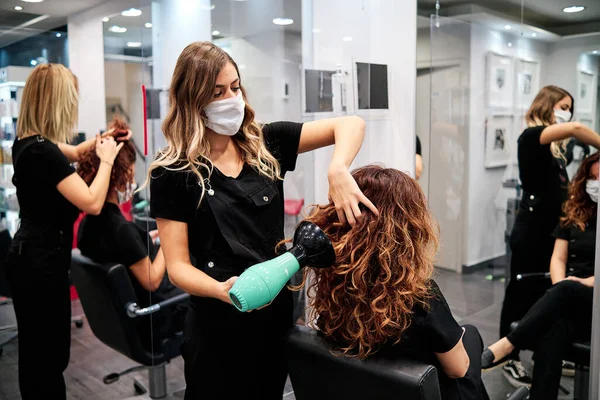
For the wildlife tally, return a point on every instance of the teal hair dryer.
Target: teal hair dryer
(261, 283)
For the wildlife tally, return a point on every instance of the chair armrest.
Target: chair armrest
(133, 310)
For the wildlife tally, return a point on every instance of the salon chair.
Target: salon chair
(110, 306)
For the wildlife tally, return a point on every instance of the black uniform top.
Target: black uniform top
(582, 247)
(433, 330)
(40, 166)
(543, 177)
(240, 221)
(110, 238)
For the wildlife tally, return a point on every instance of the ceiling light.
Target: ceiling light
(509, 44)
(18, 8)
(573, 9)
(283, 21)
(595, 52)
(117, 29)
(32, 1)
(209, 8)
(507, 27)
(33, 63)
(134, 44)
(316, 30)
(148, 25)
(132, 12)
(58, 34)
(105, 19)
(216, 33)
(347, 38)
(534, 34)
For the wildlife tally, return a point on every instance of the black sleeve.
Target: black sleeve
(131, 247)
(418, 146)
(282, 140)
(171, 195)
(561, 232)
(52, 164)
(530, 139)
(442, 329)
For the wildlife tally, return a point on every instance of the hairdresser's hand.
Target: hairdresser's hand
(118, 135)
(223, 289)
(346, 195)
(589, 282)
(107, 149)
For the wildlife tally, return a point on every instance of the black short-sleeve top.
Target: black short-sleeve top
(39, 166)
(543, 176)
(433, 330)
(582, 247)
(240, 220)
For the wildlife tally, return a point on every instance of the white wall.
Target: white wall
(86, 60)
(486, 216)
(376, 28)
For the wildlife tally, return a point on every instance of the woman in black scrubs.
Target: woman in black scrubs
(217, 195)
(50, 194)
(544, 180)
(564, 313)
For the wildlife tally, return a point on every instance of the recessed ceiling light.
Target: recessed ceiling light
(316, 30)
(507, 27)
(148, 25)
(283, 21)
(134, 44)
(573, 9)
(18, 8)
(534, 34)
(509, 44)
(117, 29)
(33, 62)
(216, 33)
(132, 12)
(347, 38)
(58, 34)
(595, 52)
(32, 1)
(105, 19)
(209, 8)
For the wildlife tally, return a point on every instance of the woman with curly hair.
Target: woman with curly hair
(110, 238)
(564, 313)
(379, 299)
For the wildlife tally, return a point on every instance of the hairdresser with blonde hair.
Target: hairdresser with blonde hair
(217, 195)
(544, 180)
(50, 196)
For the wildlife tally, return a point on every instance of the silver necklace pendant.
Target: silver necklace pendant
(211, 192)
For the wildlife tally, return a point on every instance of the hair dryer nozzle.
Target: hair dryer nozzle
(312, 247)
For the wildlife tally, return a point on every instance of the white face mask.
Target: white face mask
(127, 195)
(592, 187)
(562, 116)
(225, 116)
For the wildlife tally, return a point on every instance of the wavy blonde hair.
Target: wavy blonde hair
(49, 106)
(383, 264)
(192, 88)
(541, 113)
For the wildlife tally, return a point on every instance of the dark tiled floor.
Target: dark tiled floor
(472, 298)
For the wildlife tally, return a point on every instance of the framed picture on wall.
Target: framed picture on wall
(500, 81)
(498, 137)
(527, 74)
(585, 93)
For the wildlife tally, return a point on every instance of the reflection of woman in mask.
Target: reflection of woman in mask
(564, 313)
(544, 181)
(110, 238)
(217, 195)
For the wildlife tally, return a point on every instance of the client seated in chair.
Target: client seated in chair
(564, 313)
(379, 299)
(110, 238)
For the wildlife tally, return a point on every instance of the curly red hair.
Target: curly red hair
(122, 172)
(580, 208)
(383, 264)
